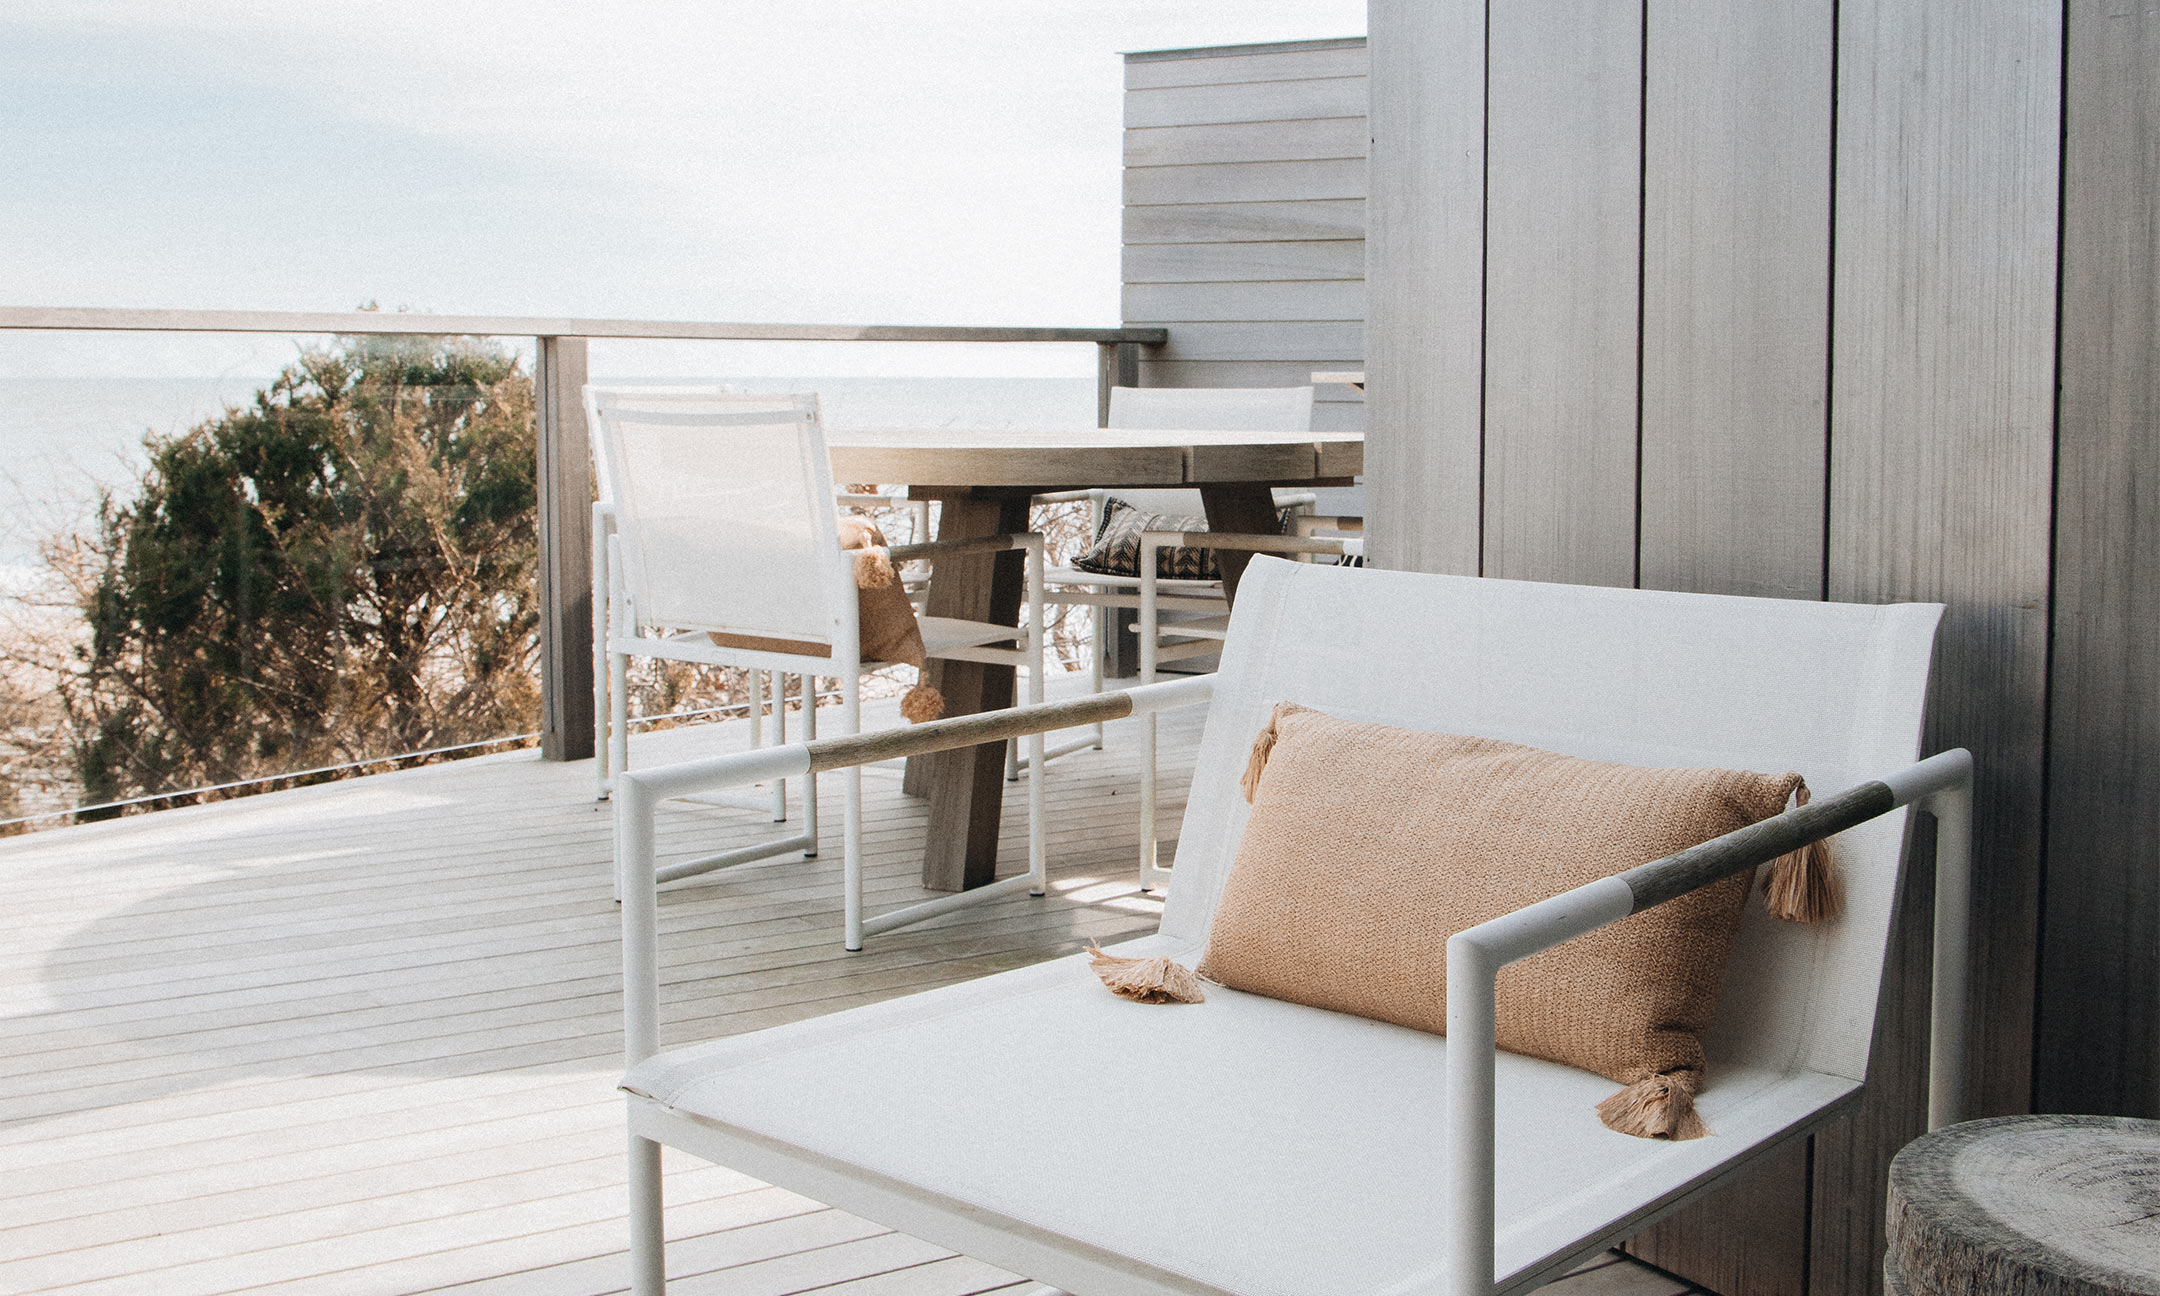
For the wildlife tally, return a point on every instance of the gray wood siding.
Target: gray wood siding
(1427, 231)
(1736, 288)
(1840, 382)
(1244, 224)
(1564, 110)
(1942, 373)
(2100, 955)
(1736, 296)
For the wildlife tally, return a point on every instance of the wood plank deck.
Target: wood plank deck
(363, 1038)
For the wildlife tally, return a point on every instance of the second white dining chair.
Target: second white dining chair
(725, 552)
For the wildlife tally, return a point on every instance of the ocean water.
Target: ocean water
(63, 440)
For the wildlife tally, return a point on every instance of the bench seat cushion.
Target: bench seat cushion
(1243, 1145)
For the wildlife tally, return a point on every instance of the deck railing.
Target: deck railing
(565, 475)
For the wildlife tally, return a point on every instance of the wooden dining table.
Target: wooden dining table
(983, 479)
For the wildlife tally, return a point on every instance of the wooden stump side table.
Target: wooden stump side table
(2027, 1206)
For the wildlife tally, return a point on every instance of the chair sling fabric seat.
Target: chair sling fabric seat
(1305, 1163)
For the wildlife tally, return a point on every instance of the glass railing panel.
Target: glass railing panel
(874, 384)
(239, 561)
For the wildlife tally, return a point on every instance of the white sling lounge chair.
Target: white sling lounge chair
(1293, 1150)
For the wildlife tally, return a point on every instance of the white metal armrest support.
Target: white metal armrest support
(1941, 784)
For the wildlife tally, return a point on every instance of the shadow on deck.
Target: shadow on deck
(363, 1037)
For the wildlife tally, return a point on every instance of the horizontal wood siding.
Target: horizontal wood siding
(1245, 182)
(1245, 216)
(1246, 222)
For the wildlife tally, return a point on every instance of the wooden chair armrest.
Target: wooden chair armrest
(956, 548)
(1285, 544)
(1304, 524)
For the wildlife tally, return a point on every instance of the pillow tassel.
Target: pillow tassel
(1803, 886)
(873, 568)
(1662, 1106)
(1263, 744)
(1147, 980)
(922, 703)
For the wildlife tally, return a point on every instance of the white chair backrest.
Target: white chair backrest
(725, 513)
(603, 471)
(1204, 409)
(1832, 690)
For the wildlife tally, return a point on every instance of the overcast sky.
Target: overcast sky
(940, 161)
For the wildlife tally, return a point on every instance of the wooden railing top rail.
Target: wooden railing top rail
(249, 321)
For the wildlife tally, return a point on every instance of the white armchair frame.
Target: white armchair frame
(1941, 784)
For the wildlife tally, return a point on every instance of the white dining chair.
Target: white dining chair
(723, 524)
(1198, 409)
(914, 579)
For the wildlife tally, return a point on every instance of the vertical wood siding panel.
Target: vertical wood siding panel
(2099, 983)
(1941, 455)
(1423, 283)
(1563, 177)
(1736, 286)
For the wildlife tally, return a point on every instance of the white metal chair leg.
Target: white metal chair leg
(779, 786)
(648, 1228)
(1952, 807)
(1038, 851)
(851, 823)
(809, 783)
(1101, 650)
(1012, 760)
(602, 774)
(618, 729)
(1149, 614)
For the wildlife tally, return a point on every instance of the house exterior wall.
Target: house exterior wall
(1245, 216)
(1858, 301)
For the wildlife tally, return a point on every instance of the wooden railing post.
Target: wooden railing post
(565, 560)
(1117, 364)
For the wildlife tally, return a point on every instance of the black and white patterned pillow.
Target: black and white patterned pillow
(1116, 550)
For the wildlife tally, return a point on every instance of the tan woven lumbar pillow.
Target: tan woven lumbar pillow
(1370, 845)
(888, 630)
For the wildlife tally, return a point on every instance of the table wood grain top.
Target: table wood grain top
(1064, 458)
